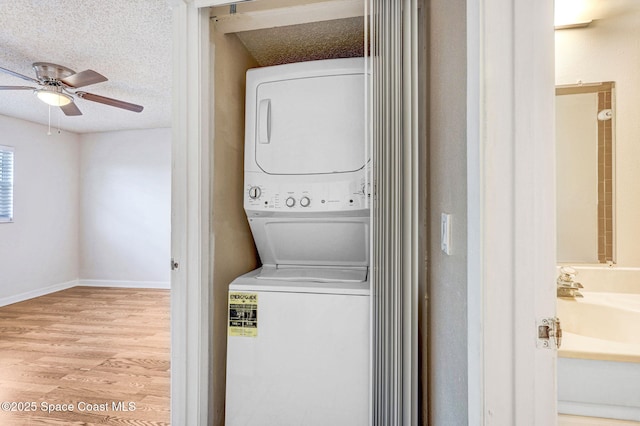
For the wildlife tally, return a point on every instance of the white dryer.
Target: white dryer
(298, 338)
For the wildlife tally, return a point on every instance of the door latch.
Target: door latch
(549, 333)
(174, 264)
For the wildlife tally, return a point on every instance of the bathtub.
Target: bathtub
(599, 360)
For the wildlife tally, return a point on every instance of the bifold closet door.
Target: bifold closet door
(395, 260)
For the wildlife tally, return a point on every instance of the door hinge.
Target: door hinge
(174, 264)
(549, 333)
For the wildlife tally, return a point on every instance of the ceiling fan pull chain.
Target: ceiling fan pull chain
(49, 130)
(58, 114)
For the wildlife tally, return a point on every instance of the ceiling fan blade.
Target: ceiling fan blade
(17, 88)
(83, 78)
(15, 74)
(71, 109)
(111, 102)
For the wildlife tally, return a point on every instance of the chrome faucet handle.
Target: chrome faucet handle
(567, 287)
(567, 274)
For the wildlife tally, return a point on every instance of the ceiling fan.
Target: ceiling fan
(56, 86)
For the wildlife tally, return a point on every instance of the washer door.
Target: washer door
(310, 125)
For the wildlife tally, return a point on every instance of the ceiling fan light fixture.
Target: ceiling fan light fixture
(55, 80)
(53, 97)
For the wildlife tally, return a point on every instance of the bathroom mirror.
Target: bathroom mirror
(585, 165)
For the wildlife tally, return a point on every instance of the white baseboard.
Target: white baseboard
(125, 284)
(36, 293)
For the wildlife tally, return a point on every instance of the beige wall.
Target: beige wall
(233, 251)
(447, 274)
(608, 51)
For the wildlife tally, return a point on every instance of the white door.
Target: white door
(511, 190)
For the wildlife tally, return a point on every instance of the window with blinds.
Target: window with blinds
(6, 184)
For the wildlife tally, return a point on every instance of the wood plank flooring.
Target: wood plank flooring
(104, 352)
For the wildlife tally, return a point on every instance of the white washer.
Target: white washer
(298, 345)
(309, 363)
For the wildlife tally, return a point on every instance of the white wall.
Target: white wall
(39, 250)
(125, 207)
(447, 274)
(608, 51)
(95, 207)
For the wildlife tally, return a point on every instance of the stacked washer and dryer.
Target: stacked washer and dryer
(298, 348)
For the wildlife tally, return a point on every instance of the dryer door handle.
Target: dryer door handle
(264, 121)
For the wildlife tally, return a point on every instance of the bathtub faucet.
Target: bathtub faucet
(567, 287)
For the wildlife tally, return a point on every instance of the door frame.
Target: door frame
(191, 307)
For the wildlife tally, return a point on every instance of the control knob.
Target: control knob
(290, 202)
(255, 192)
(305, 201)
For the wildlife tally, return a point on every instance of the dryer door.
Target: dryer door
(310, 125)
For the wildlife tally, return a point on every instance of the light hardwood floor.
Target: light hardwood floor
(83, 346)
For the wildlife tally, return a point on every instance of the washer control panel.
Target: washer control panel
(334, 196)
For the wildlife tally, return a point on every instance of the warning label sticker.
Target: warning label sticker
(243, 314)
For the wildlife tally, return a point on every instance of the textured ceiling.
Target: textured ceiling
(340, 38)
(128, 41)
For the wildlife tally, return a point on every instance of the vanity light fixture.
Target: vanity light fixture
(574, 25)
(572, 14)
